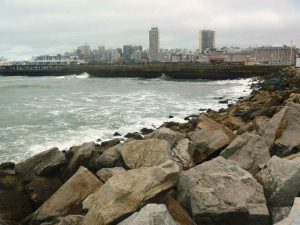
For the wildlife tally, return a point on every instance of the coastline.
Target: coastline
(251, 134)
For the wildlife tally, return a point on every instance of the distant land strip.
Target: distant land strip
(212, 72)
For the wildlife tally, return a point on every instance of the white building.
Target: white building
(154, 43)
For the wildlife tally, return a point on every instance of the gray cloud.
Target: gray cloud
(34, 27)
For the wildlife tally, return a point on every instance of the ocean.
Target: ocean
(38, 113)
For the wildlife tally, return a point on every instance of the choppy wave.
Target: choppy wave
(74, 76)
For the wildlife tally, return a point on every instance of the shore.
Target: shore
(239, 165)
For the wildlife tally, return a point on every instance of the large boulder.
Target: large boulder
(282, 133)
(14, 205)
(145, 153)
(249, 150)
(106, 173)
(80, 157)
(281, 181)
(279, 213)
(68, 198)
(183, 154)
(151, 214)
(40, 189)
(220, 192)
(124, 193)
(167, 134)
(42, 164)
(294, 216)
(210, 136)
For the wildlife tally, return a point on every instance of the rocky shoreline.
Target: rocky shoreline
(239, 165)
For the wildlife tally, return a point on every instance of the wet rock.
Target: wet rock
(170, 116)
(40, 189)
(126, 192)
(180, 215)
(294, 216)
(151, 214)
(191, 117)
(117, 134)
(7, 166)
(167, 134)
(134, 135)
(145, 153)
(249, 151)
(282, 133)
(42, 164)
(224, 101)
(220, 192)
(182, 154)
(202, 109)
(68, 198)
(110, 143)
(281, 181)
(14, 205)
(106, 173)
(145, 131)
(210, 136)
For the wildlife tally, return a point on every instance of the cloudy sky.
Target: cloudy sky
(33, 27)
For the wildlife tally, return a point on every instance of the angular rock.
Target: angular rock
(145, 153)
(151, 214)
(182, 154)
(294, 216)
(279, 213)
(81, 157)
(126, 192)
(220, 192)
(68, 220)
(180, 215)
(68, 198)
(281, 181)
(40, 189)
(210, 136)
(14, 205)
(167, 134)
(42, 164)
(282, 133)
(249, 150)
(134, 135)
(106, 173)
(234, 123)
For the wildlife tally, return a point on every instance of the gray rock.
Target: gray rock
(282, 133)
(145, 153)
(182, 154)
(281, 181)
(124, 193)
(220, 192)
(210, 136)
(42, 164)
(249, 150)
(106, 173)
(294, 216)
(68, 198)
(167, 134)
(68, 220)
(110, 158)
(151, 214)
(279, 213)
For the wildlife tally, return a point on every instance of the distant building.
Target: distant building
(278, 55)
(154, 44)
(207, 40)
(129, 51)
(84, 50)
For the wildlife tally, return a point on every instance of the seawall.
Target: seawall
(214, 72)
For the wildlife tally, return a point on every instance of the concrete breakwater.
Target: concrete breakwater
(239, 165)
(213, 72)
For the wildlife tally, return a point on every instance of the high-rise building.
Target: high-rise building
(154, 44)
(207, 40)
(84, 50)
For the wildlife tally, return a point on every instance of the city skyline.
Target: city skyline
(33, 27)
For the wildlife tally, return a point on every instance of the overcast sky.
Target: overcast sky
(34, 27)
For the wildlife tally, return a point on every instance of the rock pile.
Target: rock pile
(240, 165)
